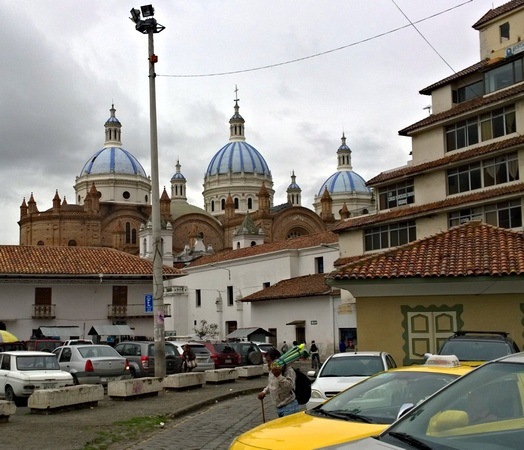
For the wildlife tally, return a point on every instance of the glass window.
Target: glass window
(397, 195)
(503, 214)
(389, 235)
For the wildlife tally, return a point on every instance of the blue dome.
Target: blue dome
(113, 160)
(238, 157)
(344, 181)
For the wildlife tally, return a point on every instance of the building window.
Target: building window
(396, 195)
(502, 214)
(212, 205)
(503, 76)
(266, 284)
(392, 235)
(128, 233)
(249, 203)
(465, 93)
(71, 243)
(198, 294)
(504, 32)
(319, 265)
(126, 195)
(43, 296)
(493, 124)
(223, 204)
(236, 202)
(230, 296)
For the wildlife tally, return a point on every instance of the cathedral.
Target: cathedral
(113, 192)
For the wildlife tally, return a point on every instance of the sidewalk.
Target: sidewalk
(74, 429)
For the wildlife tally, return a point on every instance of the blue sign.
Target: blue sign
(148, 300)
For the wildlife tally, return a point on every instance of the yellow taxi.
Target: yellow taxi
(365, 409)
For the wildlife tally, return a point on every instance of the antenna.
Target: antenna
(428, 108)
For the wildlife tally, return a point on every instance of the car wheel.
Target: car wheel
(10, 396)
(132, 372)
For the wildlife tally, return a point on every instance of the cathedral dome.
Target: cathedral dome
(113, 160)
(344, 181)
(237, 157)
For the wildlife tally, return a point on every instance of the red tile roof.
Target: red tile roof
(472, 249)
(20, 260)
(448, 160)
(409, 212)
(312, 240)
(495, 12)
(465, 107)
(298, 287)
(456, 76)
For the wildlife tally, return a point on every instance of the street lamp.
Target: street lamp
(149, 26)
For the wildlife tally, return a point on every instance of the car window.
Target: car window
(352, 366)
(6, 364)
(171, 350)
(199, 349)
(224, 348)
(476, 350)
(65, 356)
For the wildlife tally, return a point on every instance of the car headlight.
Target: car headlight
(316, 394)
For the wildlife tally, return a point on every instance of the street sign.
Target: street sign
(148, 302)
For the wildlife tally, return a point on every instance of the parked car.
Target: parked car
(364, 409)
(43, 345)
(78, 342)
(141, 358)
(203, 355)
(483, 409)
(249, 352)
(264, 346)
(22, 371)
(342, 370)
(224, 356)
(476, 347)
(10, 346)
(92, 364)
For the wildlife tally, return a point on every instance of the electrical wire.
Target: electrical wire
(316, 55)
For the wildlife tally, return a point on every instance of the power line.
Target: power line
(316, 55)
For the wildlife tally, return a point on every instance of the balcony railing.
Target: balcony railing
(134, 310)
(44, 311)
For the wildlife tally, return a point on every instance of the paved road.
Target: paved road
(212, 428)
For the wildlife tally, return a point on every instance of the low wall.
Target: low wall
(135, 387)
(52, 400)
(184, 380)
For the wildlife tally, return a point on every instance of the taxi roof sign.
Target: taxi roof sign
(443, 361)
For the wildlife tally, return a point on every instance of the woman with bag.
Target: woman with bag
(188, 359)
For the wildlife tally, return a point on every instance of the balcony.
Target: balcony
(134, 310)
(44, 311)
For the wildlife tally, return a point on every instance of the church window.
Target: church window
(223, 204)
(144, 247)
(212, 205)
(236, 203)
(230, 296)
(249, 203)
(126, 195)
(253, 243)
(128, 233)
(40, 243)
(71, 243)
(146, 198)
(198, 295)
(133, 236)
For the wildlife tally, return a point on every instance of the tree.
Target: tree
(206, 330)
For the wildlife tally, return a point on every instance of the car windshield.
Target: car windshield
(379, 398)
(93, 351)
(482, 410)
(363, 366)
(470, 350)
(224, 348)
(199, 350)
(37, 363)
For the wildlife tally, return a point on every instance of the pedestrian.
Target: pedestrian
(295, 343)
(280, 386)
(315, 357)
(285, 347)
(342, 346)
(188, 359)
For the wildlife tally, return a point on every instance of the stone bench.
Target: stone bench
(7, 409)
(184, 380)
(250, 371)
(134, 388)
(66, 398)
(221, 375)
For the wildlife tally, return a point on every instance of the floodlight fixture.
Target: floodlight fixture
(147, 10)
(135, 15)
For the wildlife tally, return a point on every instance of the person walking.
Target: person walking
(342, 346)
(188, 359)
(284, 347)
(315, 357)
(280, 386)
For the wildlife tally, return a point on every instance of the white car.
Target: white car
(343, 370)
(21, 372)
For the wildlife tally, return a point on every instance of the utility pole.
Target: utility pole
(150, 26)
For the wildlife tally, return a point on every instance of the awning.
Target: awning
(64, 331)
(245, 333)
(111, 330)
(298, 323)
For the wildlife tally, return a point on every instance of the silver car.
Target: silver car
(92, 364)
(203, 355)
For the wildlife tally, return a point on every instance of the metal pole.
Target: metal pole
(158, 285)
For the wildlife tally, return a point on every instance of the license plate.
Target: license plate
(48, 385)
(227, 361)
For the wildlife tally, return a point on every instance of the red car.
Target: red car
(223, 354)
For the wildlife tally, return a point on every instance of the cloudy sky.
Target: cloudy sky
(306, 71)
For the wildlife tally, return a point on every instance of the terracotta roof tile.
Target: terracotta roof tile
(448, 160)
(456, 76)
(408, 212)
(472, 249)
(495, 12)
(312, 240)
(305, 286)
(19, 260)
(464, 107)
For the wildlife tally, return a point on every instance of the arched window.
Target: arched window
(71, 243)
(133, 235)
(236, 203)
(212, 205)
(128, 233)
(40, 243)
(249, 203)
(223, 204)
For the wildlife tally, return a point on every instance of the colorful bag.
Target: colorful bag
(191, 363)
